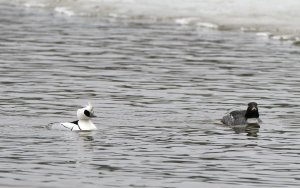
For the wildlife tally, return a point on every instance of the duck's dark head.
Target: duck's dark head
(252, 111)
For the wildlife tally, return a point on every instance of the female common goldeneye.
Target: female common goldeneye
(243, 117)
(84, 122)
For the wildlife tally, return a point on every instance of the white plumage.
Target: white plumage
(83, 123)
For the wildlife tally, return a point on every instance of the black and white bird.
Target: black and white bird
(243, 117)
(83, 123)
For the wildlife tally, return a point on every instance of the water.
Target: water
(159, 89)
(276, 19)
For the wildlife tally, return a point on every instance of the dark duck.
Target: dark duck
(243, 117)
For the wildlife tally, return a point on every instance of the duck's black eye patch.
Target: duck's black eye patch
(87, 113)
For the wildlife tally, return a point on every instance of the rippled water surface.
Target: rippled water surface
(159, 90)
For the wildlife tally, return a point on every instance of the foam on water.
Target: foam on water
(64, 10)
(275, 16)
(233, 12)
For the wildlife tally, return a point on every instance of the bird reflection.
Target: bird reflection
(86, 135)
(251, 129)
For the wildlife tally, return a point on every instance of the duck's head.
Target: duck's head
(86, 112)
(252, 111)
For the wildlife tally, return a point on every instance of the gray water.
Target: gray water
(159, 92)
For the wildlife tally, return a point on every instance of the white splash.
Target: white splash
(207, 25)
(64, 10)
(185, 21)
(34, 5)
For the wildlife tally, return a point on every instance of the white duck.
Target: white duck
(84, 122)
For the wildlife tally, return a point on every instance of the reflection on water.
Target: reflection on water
(159, 89)
(250, 129)
(86, 135)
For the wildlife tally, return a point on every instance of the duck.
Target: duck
(243, 117)
(84, 122)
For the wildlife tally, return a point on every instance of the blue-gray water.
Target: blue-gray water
(159, 90)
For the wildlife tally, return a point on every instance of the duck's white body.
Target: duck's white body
(84, 123)
(80, 125)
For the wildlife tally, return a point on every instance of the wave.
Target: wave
(280, 18)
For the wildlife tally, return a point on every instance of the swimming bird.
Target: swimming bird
(243, 117)
(84, 122)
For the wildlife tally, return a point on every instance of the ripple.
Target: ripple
(159, 91)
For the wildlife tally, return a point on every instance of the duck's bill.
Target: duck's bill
(92, 115)
(253, 108)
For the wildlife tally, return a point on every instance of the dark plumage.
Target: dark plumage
(241, 117)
